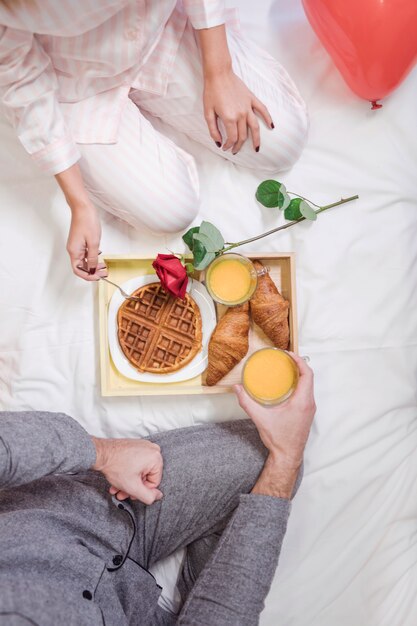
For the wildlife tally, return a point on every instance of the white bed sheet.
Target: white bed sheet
(350, 555)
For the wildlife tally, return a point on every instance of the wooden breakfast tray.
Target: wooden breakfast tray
(122, 268)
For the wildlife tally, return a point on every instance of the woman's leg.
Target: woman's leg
(182, 106)
(144, 179)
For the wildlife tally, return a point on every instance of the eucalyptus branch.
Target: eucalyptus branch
(206, 241)
(275, 230)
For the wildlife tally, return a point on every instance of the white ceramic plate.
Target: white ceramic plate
(194, 367)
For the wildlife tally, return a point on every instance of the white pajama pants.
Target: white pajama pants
(148, 181)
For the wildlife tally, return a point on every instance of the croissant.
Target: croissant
(228, 344)
(270, 310)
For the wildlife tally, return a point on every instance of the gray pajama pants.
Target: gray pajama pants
(232, 541)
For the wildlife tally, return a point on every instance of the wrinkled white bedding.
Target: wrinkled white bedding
(350, 555)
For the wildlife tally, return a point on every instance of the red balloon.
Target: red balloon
(372, 42)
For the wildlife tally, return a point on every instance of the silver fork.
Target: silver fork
(122, 291)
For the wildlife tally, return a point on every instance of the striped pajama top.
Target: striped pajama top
(66, 68)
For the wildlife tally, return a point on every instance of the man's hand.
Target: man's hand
(284, 431)
(133, 468)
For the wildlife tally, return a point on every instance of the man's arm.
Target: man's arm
(34, 444)
(231, 589)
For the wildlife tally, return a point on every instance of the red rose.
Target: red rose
(172, 274)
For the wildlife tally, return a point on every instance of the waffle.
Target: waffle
(159, 334)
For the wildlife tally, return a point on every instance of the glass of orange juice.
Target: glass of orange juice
(270, 376)
(231, 279)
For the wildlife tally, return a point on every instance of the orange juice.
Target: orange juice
(231, 279)
(270, 376)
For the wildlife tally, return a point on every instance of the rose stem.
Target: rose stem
(275, 230)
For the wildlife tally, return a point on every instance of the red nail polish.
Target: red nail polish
(92, 271)
(257, 149)
(272, 125)
(218, 144)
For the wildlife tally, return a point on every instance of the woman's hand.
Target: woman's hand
(85, 231)
(226, 97)
(83, 243)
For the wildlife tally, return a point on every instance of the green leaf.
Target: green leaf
(188, 237)
(189, 268)
(213, 233)
(307, 211)
(199, 252)
(206, 260)
(270, 193)
(206, 241)
(292, 212)
(267, 193)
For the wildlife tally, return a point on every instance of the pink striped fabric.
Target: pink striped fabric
(203, 13)
(144, 179)
(66, 67)
(148, 181)
(182, 107)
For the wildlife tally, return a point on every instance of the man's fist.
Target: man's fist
(133, 468)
